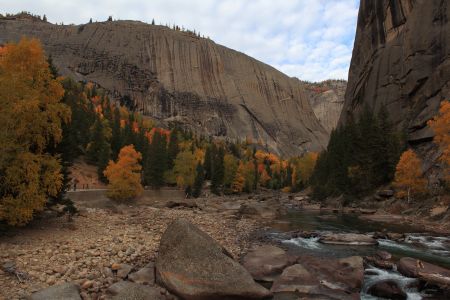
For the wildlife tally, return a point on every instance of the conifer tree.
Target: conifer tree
(217, 169)
(172, 150)
(199, 179)
(156, 163)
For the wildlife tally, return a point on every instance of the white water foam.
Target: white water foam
(308, 243)
(380, 274)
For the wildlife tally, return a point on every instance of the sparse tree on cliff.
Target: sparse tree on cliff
(124, 176)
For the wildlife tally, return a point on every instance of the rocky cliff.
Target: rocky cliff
(326, 99)
(401, 60)
(178, 76)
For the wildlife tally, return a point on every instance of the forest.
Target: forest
(49, 121)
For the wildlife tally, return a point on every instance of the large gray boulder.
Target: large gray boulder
(66, 291)
(192, 265)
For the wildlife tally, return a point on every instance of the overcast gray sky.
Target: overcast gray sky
(308, 39)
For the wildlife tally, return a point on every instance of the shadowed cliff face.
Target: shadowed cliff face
(401, 61)
(326, 99)
(174, 76)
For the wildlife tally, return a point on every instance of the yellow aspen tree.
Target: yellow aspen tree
(124, 176)
(31, 120)
(408, 179)
(441, 127)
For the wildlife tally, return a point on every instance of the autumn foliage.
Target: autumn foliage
(124, 176)
(441, 127)
(31, 122)
(408, 180)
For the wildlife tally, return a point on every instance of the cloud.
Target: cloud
(311, 40)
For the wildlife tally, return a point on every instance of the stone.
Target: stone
(353, 239)
(416, 268)
(385, 193)
(266, 262)
(384, 255)
(66, 291)
(125, 290)
(192, 265)
(87, 284)
(189, 203)
(322, 278)
(124, 270)
(143, 276)
(387, 289)
(211, 89)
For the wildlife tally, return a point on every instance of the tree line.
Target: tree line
(49, 121)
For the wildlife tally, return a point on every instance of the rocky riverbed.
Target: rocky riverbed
(111, 251)
(84, 251)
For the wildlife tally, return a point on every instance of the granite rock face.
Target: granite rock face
(401, 60)
(327, 99)
(176, 76)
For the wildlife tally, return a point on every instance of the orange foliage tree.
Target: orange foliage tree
(408, 176)
(441, 127)
(31, 117)
(124, 176)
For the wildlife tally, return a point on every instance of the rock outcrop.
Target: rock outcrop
(327, 99)
(401, 60)
(192, 265)
(176, 76)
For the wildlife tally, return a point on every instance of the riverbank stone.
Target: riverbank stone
(192, 265)
(66, 291)
(266, 262)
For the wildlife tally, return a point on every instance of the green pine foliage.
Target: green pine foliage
(199, 180)
(359, 158)
(156, 163)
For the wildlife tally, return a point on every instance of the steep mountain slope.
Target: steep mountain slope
(401, 61)
(327, 100)
(177, 76)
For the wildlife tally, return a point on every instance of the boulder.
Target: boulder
(266, 262)
(262, 210)
(192, 265)
(353, 239)
(384, 255)
(189, 203)
(124, 270)
(143, 276)
(387, 289)
(427, 272)
(385, 193)
(322, 278)
(66, 291)
(124, 290)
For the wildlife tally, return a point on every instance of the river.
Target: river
(417, 243)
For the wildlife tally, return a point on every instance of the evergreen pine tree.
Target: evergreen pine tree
(172, 150)
(207, 162)
(116, 138)
(199, 179)
(217, 168)
(156, 163)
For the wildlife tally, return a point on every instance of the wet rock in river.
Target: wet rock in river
(322, 278)
(387, 289)
(348, 239)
